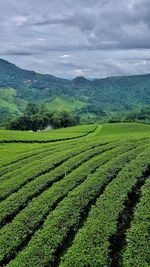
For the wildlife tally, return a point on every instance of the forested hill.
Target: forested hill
(18, 87)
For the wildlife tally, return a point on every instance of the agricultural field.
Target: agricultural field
(75, 197)
(46, 136)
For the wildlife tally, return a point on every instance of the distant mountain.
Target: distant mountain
(80, 95)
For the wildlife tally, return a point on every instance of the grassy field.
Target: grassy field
(47, 136)
(80, 199)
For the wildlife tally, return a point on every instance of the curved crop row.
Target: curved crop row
(37, 158)
(66, 216)
(26, 222)
(25, 164)
(19, 199)
(31, 151)
(42, 166)
(91, 246)
(26, 157)
(51, 136)
(137, 251)
(23, 150)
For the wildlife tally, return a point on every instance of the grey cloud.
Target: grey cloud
(107, 37)
(83, 20)
(114, 25)
(17, 53)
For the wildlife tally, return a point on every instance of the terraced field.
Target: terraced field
(80, 199)
(46, 137)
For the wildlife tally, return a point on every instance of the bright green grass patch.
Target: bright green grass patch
(10, 101)
(59, 134)
(105, 131)
(60, 104)
(123, 129)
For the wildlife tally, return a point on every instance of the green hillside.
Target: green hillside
(10, 103)
(67, 104)
(84, 97)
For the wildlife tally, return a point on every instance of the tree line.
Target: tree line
(37, 117)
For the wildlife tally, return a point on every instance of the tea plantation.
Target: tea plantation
(77, 196)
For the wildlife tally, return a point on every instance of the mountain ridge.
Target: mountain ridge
(79, 95)
(3, 61)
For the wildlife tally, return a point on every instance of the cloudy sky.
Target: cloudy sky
(66, 38)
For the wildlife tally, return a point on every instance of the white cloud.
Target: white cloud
(64, 56)
(19, 20)
(79, 72)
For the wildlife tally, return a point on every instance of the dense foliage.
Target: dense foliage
(91, 100)
(140, 114)
(36, 117)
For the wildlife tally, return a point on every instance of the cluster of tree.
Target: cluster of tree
(93, 109)
(136, 115)
(5, 114)
(140, 115)
(37, 117)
